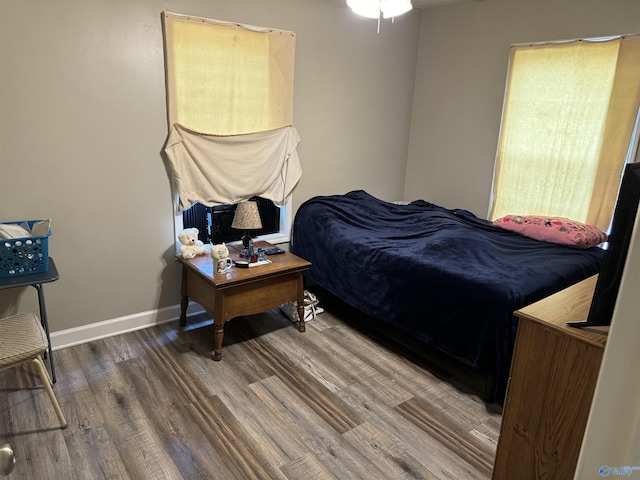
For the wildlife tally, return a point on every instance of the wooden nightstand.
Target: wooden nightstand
(241, 291)
(553, 377)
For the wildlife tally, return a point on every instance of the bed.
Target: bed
(446, 277)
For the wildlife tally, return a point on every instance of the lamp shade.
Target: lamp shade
(247, 216)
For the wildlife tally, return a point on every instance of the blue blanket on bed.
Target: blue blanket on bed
(445, 276)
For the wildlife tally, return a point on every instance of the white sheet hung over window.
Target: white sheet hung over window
(216, 169)
(568, 120)
(230, 111)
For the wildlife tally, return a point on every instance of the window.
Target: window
(214, 223)
(568, 122)
(225, 78)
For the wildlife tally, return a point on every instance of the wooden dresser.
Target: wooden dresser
(553, 377)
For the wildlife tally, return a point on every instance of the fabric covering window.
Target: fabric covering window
(568, 120)
(209, 167)
(236, 81)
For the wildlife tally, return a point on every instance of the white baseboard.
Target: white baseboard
(116, 326)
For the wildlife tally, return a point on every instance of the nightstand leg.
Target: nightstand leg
(218, 336)
(184, 303)
(184, 300)
(301, 325)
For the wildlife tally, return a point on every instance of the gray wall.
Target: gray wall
(83, 122)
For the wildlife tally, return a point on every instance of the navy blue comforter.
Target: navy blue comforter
(445, 276)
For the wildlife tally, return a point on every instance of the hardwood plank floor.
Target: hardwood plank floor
(331, 403)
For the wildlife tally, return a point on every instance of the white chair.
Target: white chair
(22, 340)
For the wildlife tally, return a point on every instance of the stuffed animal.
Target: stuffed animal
(191, 246)
(219, 252)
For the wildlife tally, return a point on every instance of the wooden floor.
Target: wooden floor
(331, 403)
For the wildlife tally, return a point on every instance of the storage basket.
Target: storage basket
(22, 256)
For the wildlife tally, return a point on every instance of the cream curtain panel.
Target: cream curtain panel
(568, 119)
(230, 111)
(226, 78)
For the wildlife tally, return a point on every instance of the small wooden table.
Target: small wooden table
(241, 291)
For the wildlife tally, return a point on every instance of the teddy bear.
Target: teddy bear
(191, 246)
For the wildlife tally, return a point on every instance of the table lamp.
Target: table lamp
(247, 217)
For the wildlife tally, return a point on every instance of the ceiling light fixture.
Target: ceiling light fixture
(378, 8)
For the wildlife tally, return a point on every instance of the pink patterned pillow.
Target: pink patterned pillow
(553, 229)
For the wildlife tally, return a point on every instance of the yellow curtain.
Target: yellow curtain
(568, 119)
(225, 78)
